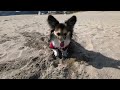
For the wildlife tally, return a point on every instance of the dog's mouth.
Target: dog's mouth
(62, 44)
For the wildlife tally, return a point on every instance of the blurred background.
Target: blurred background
(7, 13)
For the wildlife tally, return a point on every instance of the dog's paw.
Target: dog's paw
(64, 54)
(56, 53)
(53, 56)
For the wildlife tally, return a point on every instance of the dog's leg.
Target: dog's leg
(65, 54)
(57, 53)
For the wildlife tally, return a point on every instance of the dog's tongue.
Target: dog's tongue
(62, 44)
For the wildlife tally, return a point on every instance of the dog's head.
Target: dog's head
(62, 30)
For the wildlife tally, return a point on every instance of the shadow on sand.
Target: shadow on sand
(95, 59)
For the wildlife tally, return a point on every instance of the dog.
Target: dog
(60, 35)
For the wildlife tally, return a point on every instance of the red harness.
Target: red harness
(61, 45)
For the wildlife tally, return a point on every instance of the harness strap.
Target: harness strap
(52, 47)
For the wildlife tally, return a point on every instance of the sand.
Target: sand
(24, 51)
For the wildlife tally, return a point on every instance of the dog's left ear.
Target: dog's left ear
(71, 22)
(52, 21)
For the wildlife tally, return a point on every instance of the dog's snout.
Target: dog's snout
(61, 38)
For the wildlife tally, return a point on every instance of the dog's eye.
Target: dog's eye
(58, 34)
(65, 34)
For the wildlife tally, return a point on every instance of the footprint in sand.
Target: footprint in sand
(3, 55)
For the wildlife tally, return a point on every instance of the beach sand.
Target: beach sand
(24, 51)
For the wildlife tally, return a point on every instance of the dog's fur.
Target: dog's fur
(61, 32)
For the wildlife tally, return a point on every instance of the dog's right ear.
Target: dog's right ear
(52, 21)
(71, 22)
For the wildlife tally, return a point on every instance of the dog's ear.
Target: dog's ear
(71, 22)
(52, 21)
